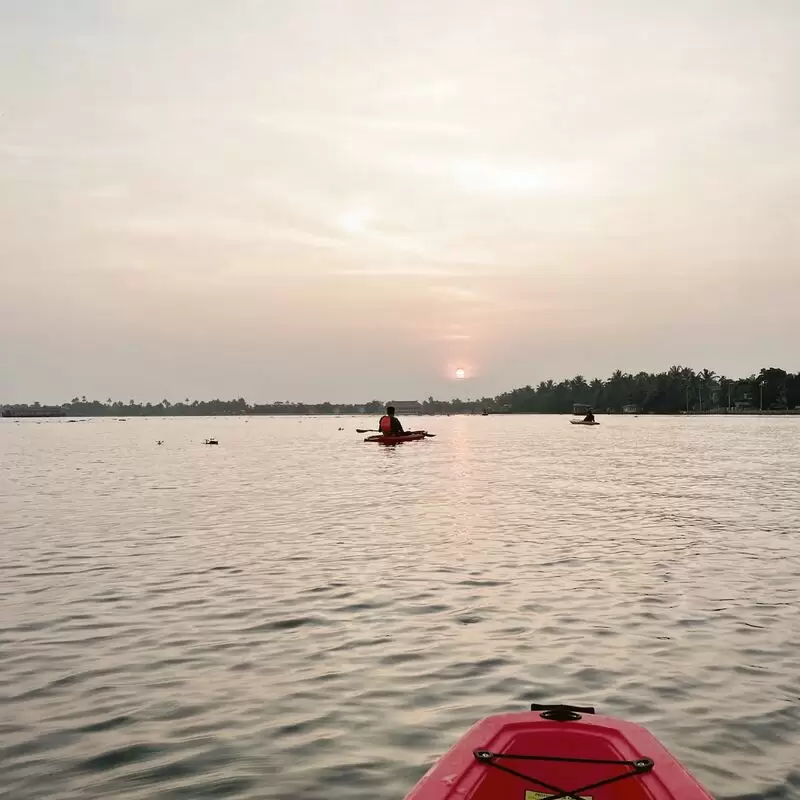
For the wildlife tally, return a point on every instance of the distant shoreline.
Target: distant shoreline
(677, 391)
(794, 412)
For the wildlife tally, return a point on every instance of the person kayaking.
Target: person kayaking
(589, 417)
(389, 425)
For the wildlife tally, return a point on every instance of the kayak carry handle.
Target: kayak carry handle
(561, 713)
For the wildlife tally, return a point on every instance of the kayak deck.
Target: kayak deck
(557, 752)
(582, 422)
(412, 436)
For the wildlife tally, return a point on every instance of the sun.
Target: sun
(356, 221)
(460, 374)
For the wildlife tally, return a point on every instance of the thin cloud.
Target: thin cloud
(328, 126)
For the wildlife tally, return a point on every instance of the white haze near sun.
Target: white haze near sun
(350, 200)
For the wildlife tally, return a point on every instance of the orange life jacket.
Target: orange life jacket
(385, 425)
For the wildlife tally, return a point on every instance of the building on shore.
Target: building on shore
(579, 409)
(406, 407)
(631, 408)
(34, 411)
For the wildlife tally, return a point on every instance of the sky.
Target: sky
(352, 199)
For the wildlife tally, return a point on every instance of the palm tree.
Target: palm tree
(707, 376)
(596, 388)
(616, 389)
(579, 387)
(725, 390)
(706, 380)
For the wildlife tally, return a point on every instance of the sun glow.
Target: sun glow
(460, 374)
(356, 220)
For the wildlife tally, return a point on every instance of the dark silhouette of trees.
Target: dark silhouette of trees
(675, 390)
(678, 389)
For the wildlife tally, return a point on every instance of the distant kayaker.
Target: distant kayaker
(589, 417)
(389, 425)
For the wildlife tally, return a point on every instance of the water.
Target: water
(297, 614)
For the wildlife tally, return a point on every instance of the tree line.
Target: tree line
(679, 389)
(676, 390)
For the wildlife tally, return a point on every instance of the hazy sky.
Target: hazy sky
(342, 200)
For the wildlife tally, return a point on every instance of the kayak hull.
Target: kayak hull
(547, 753)
(413, 436)
(582, 422)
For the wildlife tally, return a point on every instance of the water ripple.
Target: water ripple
(255, 621)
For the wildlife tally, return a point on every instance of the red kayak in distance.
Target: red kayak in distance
(411, 436)
(555, 752)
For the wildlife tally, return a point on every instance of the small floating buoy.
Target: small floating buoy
(160, 441)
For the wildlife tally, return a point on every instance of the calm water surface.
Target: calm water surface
(297, 614)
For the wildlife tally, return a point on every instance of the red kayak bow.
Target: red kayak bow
(557, 753)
